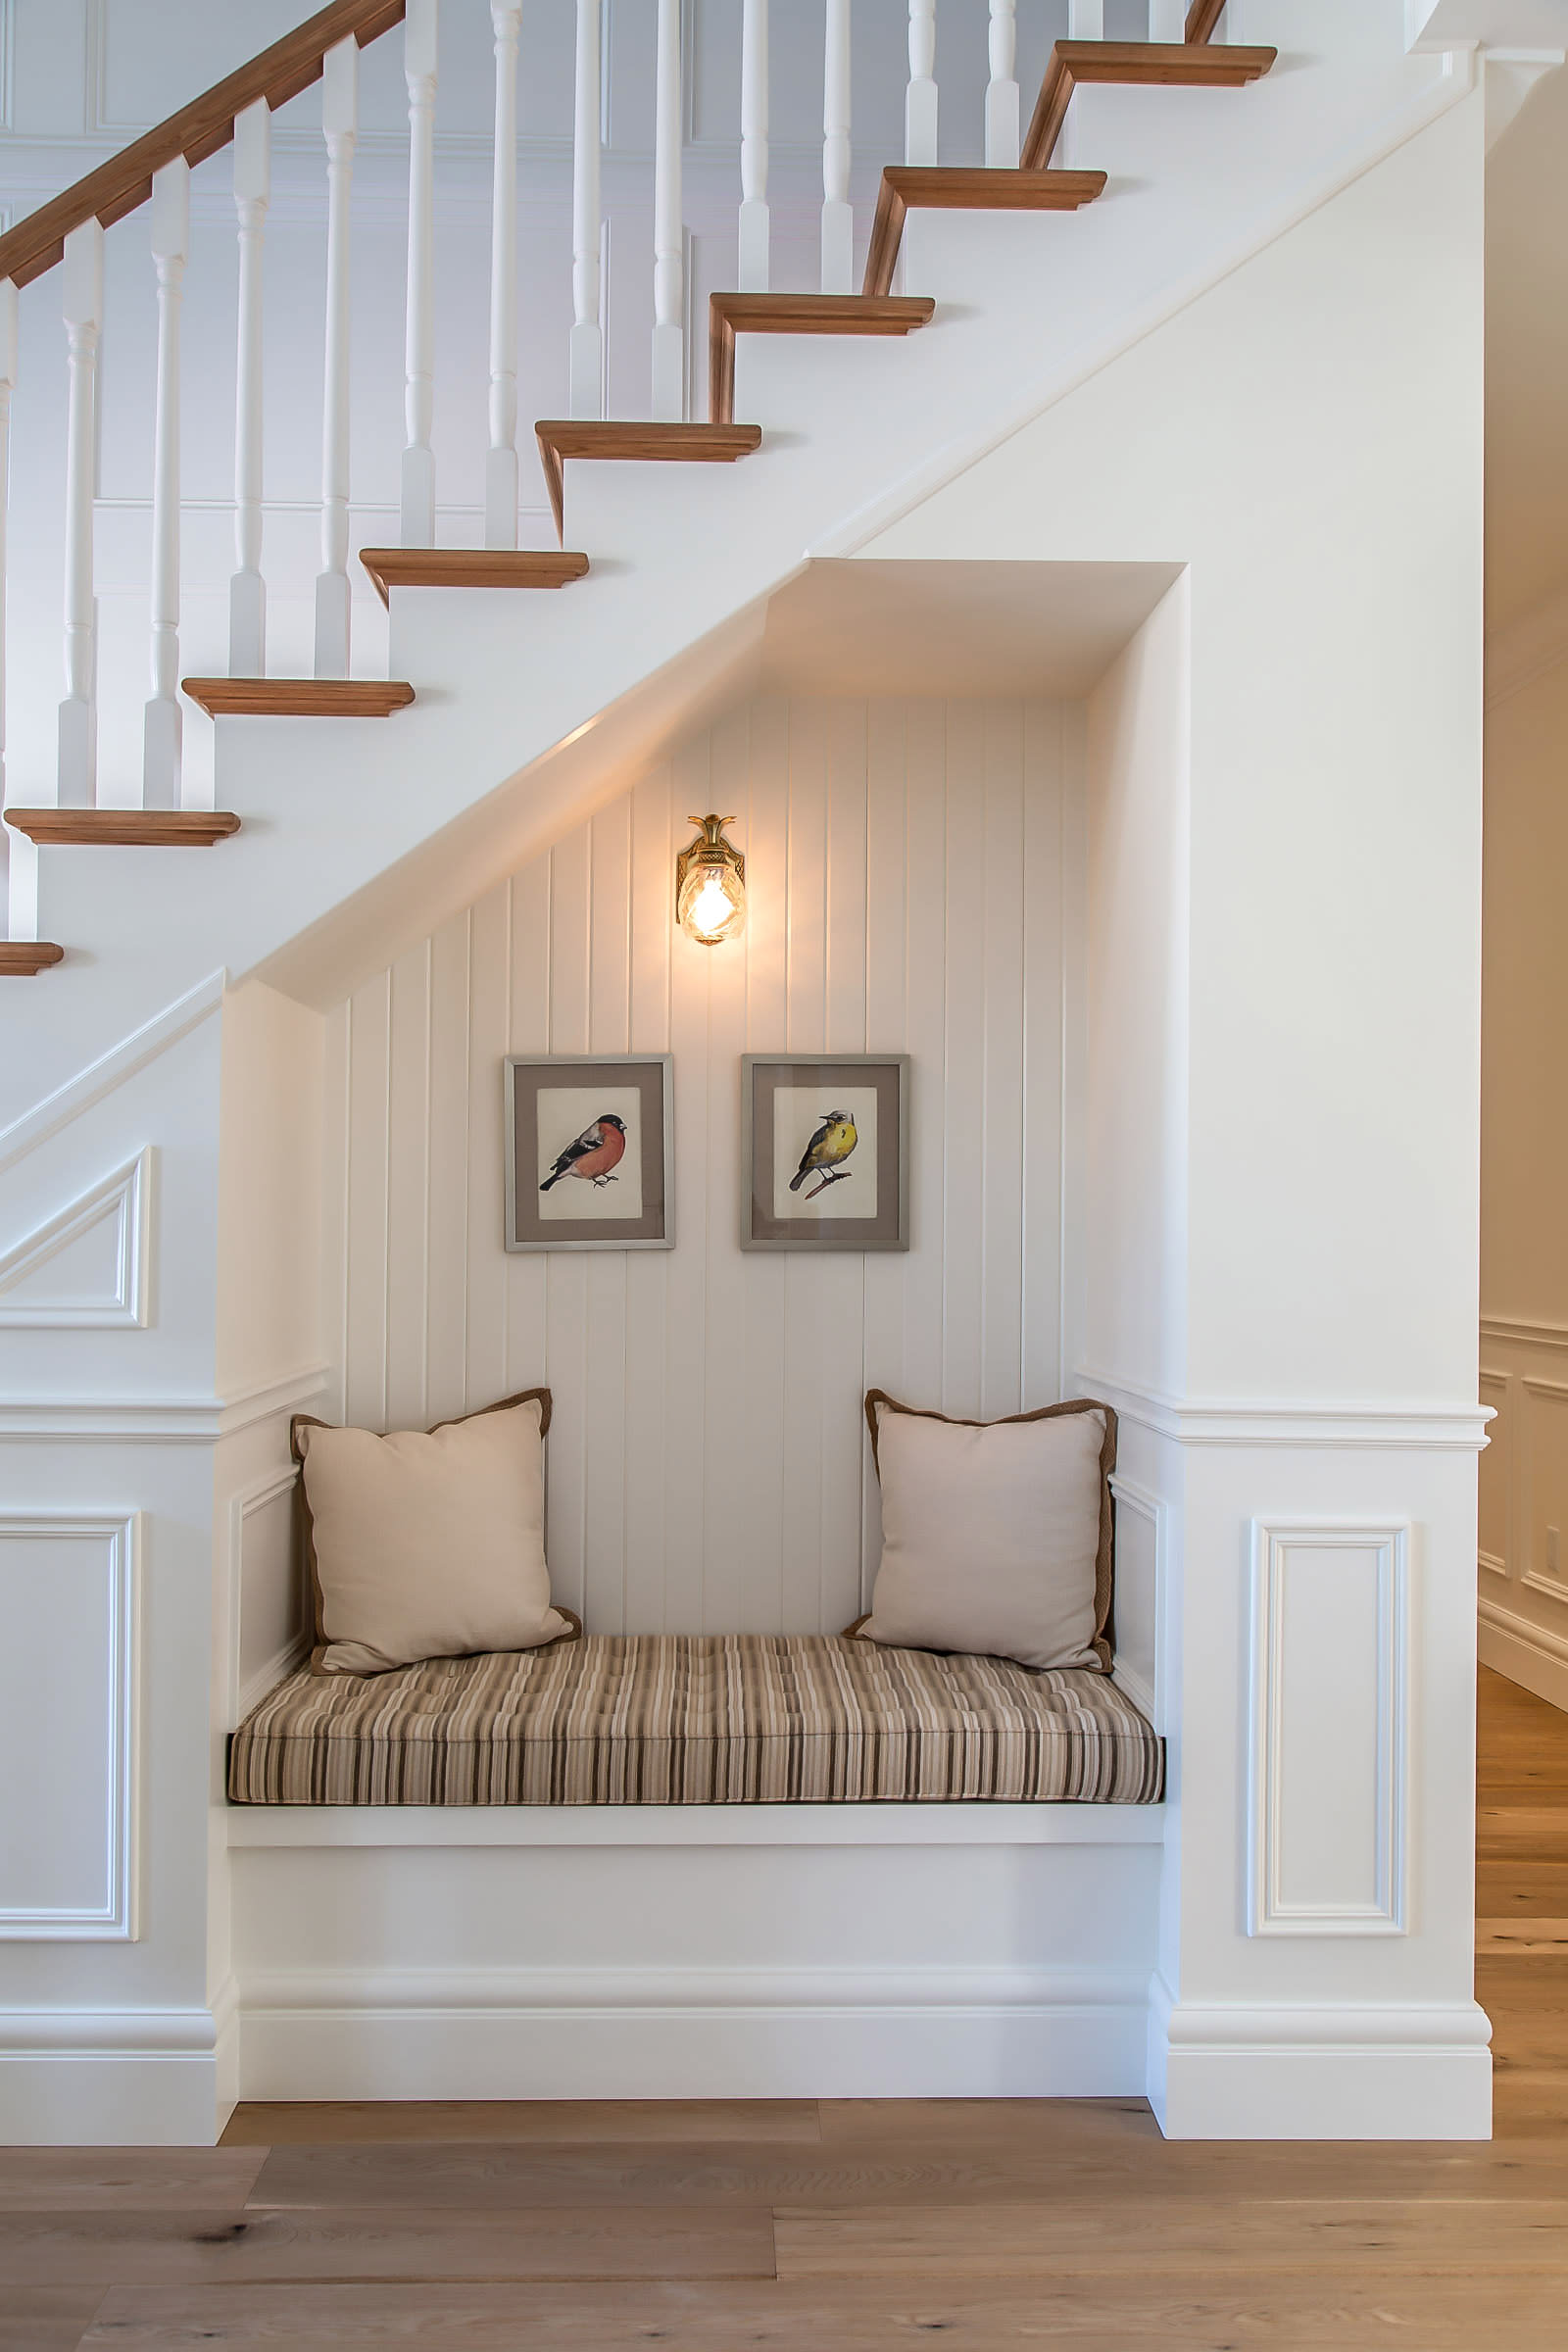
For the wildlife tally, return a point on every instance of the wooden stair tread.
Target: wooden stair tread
(1181, 65)
(470, 568)
(299, 698)
(124, 828)
(563, 437)
(24, 958)
(731, 315)
(967, 188)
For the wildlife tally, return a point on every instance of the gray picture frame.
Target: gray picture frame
(523, 1077)
(758, 1228)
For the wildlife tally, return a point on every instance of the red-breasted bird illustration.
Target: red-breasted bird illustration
(597, 1150)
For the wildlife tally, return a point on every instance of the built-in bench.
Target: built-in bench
(698, 1720)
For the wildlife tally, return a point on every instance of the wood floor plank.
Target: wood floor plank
(1525, 1938)
(501, 2179)
(955, 2123)
(427, 2120)
(1462, 2237)
(129, 2249)
(46, 2318)
(105, 2179)
(1245, 2312)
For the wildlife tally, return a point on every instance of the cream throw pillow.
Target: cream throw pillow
(428, 1546)
(996, 1535)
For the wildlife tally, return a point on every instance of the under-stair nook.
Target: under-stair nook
(1024, 462)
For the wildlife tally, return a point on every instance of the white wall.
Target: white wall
(1135, 1143)
(907, 890)
(1524, 1240)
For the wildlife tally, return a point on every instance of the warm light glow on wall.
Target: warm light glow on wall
(711, 884)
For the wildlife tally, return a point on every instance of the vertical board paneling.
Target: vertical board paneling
(447, 1207)
(369, 1107)
(489, 1022)
(647, 1270)
(729, 1507)
(567, 1271)
(762, 1583)
(335, 1205)
(807, 1336)
(685, 1395)
(906, 891)
(604, 1372)
(1001, 1153)
(886, 1032)
(965, 1098)
(1043, 1019)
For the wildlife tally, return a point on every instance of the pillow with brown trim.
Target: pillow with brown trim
(995, 1535)
(429, 1544)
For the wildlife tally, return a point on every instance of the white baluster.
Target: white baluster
(83, 307)
(501, 467)
(340, 94)
(670, 273)
(419, 32)
(1167, 21)
(8, 385)
(755, 226)
(1002, 90)
(838, 219)
(247, 591)
(161, 730)
(586, 355)
(1086, 19)
(920, 98)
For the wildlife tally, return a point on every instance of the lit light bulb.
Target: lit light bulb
(710, 908)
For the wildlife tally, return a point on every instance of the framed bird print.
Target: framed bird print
(590, 1144)
(825, 1152)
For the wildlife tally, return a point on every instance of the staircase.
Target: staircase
(1140, 167)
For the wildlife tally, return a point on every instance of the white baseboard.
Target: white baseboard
(800, 2033)
(92, 2078)
(1528, 1655)
(1331, 2072)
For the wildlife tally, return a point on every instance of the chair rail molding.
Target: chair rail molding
(1328, 1845)
(105, 1840)
(1459, 1427)
(112, 1222)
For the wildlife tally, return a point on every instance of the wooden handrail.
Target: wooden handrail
(197, 131)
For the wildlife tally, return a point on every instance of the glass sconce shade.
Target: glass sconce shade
(711, 884)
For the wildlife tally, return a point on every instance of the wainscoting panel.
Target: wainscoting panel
(1328, 1845)
(1522, 1544)
(906, 891)
(68, 1726)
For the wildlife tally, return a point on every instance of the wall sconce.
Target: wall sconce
(711, 884)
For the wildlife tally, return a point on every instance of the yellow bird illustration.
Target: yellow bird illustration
(833, 1142)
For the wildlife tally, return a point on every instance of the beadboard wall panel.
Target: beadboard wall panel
(907, 891)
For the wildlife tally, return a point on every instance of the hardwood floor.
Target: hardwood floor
(848, 2226)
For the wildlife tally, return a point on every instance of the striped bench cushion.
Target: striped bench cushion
(678, 1719)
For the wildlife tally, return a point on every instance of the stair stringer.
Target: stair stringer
(525, 718)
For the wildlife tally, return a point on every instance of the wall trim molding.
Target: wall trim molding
(442, 1826)
(1270, 1913)
(158, 1420)
(1519, 1333)
(126, 1195)
(667, 2032)
(1267, 1422)
(111, 1070)
(241, 1696)
(1153, 1508)
(115, 1919)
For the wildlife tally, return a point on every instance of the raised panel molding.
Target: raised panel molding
(89, 1268)
(1544, 1399)
(1495, 1511)
(244, 1689)
(1135, 1501)
(1328, 1775)
(76, 1761)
